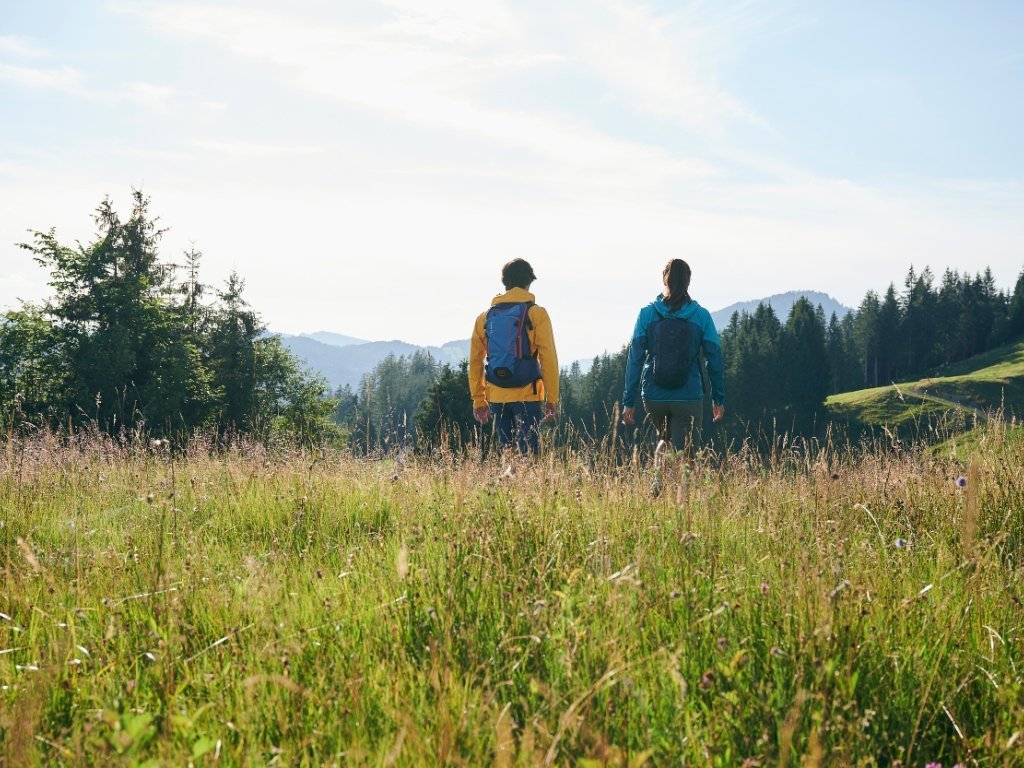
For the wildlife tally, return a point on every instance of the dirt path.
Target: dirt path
(952, 401)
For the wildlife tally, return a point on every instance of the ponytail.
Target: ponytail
(676, 277)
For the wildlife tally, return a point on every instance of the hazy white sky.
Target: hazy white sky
(369, 165)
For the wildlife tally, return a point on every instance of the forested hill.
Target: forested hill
(782, 303)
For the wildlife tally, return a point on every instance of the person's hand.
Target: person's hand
(629, 416)
(717, 412)
(549, 412)
(482, 414)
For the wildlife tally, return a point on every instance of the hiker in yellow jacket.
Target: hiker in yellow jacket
(513, 366)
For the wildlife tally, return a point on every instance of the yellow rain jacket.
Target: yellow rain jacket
(542, 341)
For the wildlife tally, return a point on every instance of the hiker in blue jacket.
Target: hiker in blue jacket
(663, 363)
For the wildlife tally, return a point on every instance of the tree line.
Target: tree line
(135, 345)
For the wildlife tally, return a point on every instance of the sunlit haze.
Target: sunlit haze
(368, 166)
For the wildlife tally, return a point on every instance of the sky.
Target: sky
(368, 166)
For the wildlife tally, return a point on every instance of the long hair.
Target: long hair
(676, 277)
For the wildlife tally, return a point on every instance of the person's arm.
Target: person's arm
(634, 367)
(544, 337)
(712, 347)
(477, 385)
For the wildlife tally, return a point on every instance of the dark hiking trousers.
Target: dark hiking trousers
(678, 423)
(518, 424)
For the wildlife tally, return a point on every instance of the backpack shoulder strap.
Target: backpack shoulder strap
(529, 305)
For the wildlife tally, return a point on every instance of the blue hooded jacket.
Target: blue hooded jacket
(702, 336)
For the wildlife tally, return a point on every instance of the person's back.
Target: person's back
(513, 365)
(663, 367)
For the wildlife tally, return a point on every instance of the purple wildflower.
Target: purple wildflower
(961, 482)
(933, 765)
(708, 680)
(900, 543)
(764, 587)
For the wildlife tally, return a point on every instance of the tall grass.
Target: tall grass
(249, 606)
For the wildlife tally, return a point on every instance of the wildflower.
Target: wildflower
(764, 587)
(901, 543)
(961, 482)
(933, 765)
(707, 680)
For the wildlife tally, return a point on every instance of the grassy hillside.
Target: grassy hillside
(283, 609)
(957, 398)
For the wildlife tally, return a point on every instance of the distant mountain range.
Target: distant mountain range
(782, 303)
(345, 359)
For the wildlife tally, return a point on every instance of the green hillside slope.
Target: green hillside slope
(992, 383)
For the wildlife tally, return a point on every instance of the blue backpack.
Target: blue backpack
(510, 361)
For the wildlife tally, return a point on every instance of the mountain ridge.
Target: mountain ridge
(782, 303)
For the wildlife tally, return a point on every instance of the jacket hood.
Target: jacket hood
(685, 312)
(513, 295)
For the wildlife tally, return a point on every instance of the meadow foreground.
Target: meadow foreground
(255, 607)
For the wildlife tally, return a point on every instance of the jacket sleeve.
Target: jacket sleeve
(477, 352)
(546, 353)
(712, 347)
(635, 362)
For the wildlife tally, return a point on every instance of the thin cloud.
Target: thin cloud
(21, 47)
(149, 95)
(466, 22)
(657, 63)
(414, 77)
(71, 81)
(255, 149)
(58, 79)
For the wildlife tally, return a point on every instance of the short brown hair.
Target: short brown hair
(517, 274)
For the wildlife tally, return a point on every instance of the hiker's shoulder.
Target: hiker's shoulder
(699, 313)
(650, 311)
(538, 313)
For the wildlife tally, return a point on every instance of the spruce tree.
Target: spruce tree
(805, 366)
(133, 364)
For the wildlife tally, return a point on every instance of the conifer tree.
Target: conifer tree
(805, 366)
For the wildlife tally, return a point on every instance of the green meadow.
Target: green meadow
(957, 397)
(274, 607)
